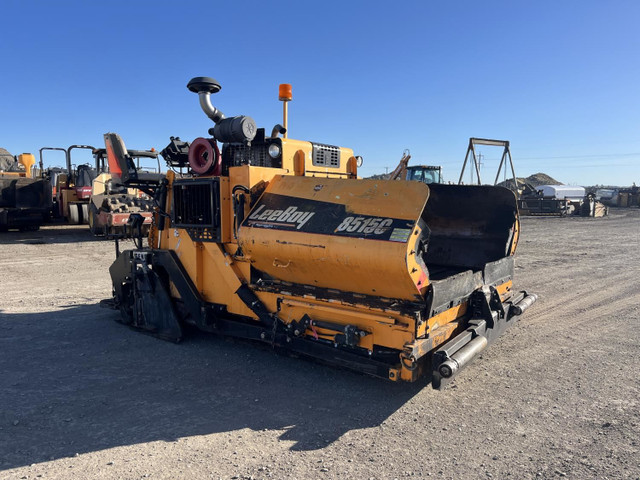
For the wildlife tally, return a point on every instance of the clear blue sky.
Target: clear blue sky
(559, 79)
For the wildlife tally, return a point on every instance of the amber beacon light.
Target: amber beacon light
(285, 96)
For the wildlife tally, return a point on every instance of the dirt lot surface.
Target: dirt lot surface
(82, 396)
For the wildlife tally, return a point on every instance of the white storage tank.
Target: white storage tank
(562, 192)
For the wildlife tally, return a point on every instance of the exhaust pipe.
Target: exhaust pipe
(277, 130)
(240, 129)
(212, 112)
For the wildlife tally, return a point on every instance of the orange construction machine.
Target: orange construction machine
(277, 240)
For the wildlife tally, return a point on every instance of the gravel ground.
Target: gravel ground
(82, 396)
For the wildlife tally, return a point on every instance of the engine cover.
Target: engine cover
(354, 236)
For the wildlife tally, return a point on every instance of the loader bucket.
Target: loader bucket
(25, 193)
(469, 225)
(24, 202)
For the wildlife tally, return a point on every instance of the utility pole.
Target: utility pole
(480, 156)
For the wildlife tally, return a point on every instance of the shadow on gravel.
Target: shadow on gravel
(58, 235)
(75, 381)
(50, 234)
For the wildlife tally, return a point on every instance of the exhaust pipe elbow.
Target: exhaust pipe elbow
(278, 129)
(207, 107)
(239, 129)
(204, 87)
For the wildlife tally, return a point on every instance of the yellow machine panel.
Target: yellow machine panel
(347, 235)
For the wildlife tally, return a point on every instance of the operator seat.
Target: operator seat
(121, 164)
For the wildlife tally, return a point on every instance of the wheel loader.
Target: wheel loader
(277, 240)
(419, 173)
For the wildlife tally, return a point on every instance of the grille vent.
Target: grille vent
(325, 155)
(196, 208)
(256, 155)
